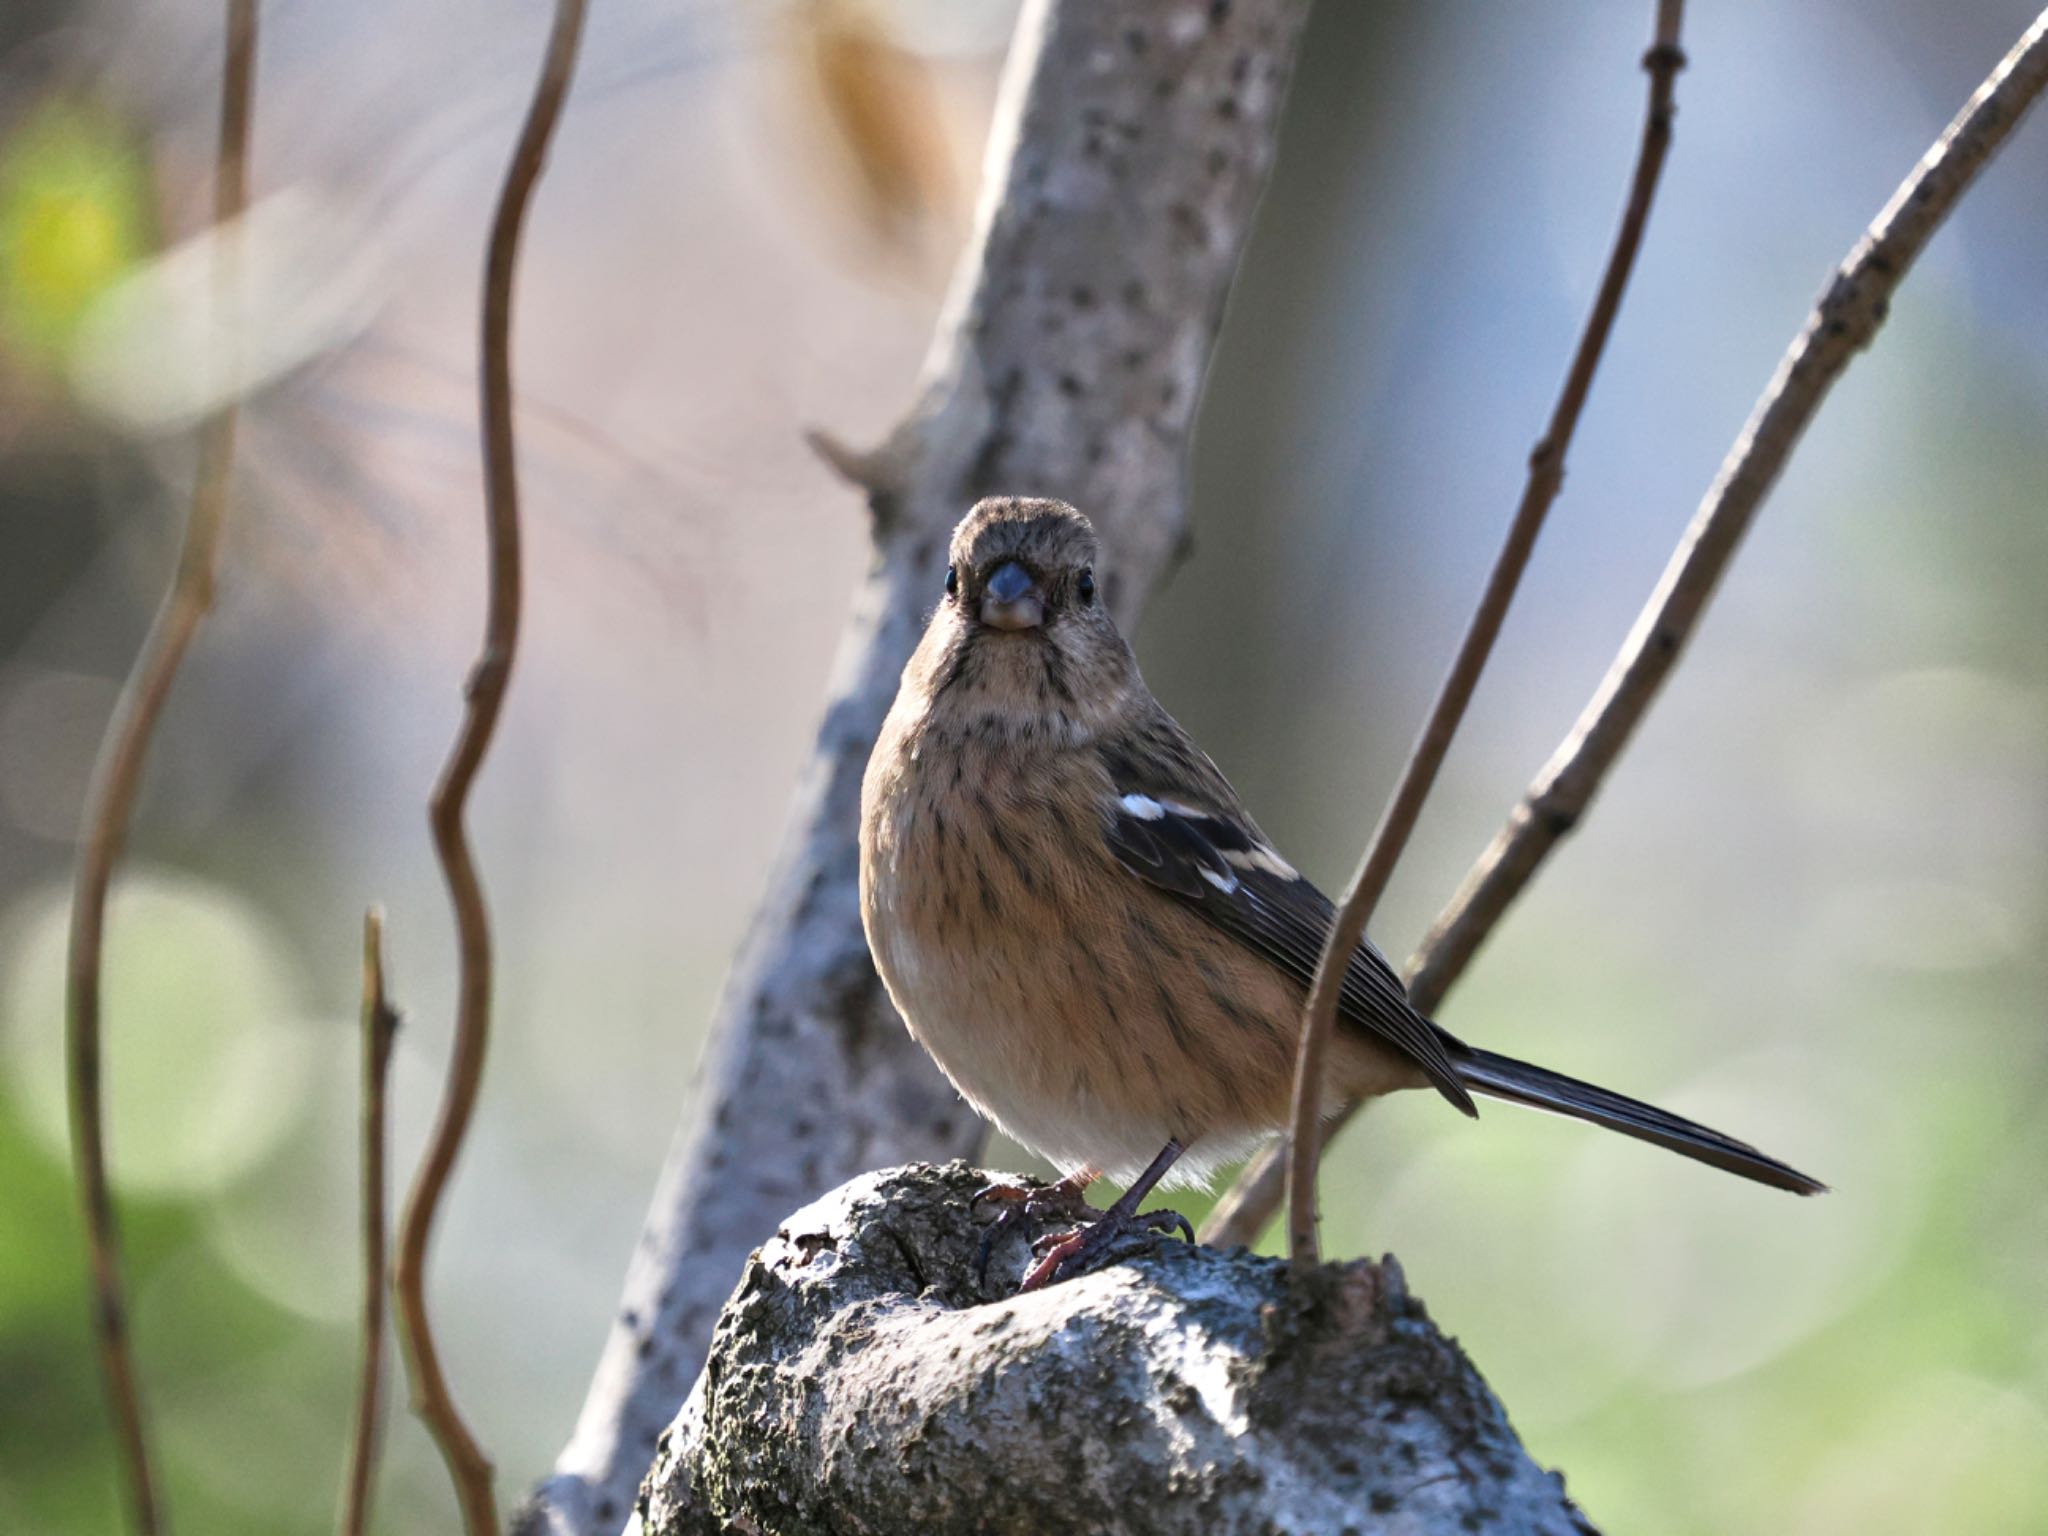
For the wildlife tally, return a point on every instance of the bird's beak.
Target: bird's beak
(1012, 599)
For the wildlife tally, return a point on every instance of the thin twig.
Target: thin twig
(1844, 322)
(469, 1468)
(380, 1029)
(1546, 479)
(117, 773)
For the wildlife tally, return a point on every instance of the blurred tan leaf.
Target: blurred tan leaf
(880, 103)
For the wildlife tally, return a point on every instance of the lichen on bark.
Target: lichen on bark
(862, 1380)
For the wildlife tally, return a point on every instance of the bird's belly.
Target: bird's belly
(1001, 1052)
(1057, 1031)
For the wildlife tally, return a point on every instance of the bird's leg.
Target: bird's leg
(1088, 1247)
(1029, 1203)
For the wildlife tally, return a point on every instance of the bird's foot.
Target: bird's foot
(1027, 1205)
(1115, 1234)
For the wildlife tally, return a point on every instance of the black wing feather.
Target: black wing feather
(1281, 915)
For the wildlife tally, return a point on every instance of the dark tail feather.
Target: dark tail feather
(1502, 1077)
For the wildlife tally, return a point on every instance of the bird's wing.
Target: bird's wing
(1174, 821)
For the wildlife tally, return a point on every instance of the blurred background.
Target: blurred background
(1811, 908)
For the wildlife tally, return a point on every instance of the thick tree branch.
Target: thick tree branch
(860, 1381)
(468, 1466)
(1844, 321)
(110, 799)
(1397, 822)
(1129, 147)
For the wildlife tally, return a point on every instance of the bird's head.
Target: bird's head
(1022, 631)
(1023, 567)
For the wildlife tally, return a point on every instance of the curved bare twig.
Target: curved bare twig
(1844, 322)
(1546, 478)
(468, 1466)
(109, 802)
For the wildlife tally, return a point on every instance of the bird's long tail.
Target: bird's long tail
(1502, 1077)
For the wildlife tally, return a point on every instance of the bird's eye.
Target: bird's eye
(952, 582)
(1086, 586)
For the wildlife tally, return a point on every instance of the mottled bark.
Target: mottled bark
(1129, 148)
(861, 1381)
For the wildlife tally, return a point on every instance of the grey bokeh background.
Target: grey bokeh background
(1810, 908)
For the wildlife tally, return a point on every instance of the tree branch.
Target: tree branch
(1129, 147)
(380, 1030)
(860, 1381)
(468, 1466)
(1847, 317)
(110, 800)
(1397, 821)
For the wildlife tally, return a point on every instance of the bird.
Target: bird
(1079, 921)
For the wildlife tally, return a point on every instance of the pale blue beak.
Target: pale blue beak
(1012, 599)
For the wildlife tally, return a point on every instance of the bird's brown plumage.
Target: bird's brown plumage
(1090, 1014)
(1079, 921)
